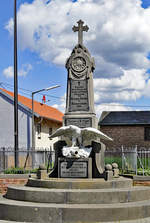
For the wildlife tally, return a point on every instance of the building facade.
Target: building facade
(127, 128)
(47, 119)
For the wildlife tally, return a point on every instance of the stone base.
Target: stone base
(74, 168)
(96, 163)
(42, 174)
(108, 175)
(76, 200)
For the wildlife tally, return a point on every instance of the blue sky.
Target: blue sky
(43, 74)
(120, 53)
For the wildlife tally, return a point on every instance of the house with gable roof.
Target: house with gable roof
(127, 128)
(46, 118)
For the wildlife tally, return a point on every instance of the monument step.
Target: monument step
(68, 183)
(143, 220)
(78, 196)
(72, 213)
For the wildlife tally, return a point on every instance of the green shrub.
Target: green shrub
(19, 170)
(110, 160)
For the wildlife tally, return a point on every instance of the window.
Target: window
(50, 132)
(39, 131)
(147, 133)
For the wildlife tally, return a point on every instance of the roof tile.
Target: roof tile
(41, 109)
(126, 118)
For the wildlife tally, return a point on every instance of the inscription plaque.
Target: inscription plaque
(73, 169)
(80, 122)
(78, 96)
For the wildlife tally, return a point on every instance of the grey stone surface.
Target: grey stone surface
(108, 167)
(42, 174)
(78, 196)
(74, 168)
(80, 97)
(80, 29)
(77, 200)
(62, 183)
(114, 165)
(15, 176)
(116, 173)
(143, 220)
(141, 178)
(80, 122)
(108, 175)
(72, 213)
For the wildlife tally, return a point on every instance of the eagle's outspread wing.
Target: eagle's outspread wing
(92, 133)
(67, 131)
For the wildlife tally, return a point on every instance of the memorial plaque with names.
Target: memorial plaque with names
(80, 122)
(73, 169)
(78, 96)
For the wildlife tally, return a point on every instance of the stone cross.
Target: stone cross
(80, 28)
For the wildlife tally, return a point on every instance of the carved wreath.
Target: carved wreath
(78, 64)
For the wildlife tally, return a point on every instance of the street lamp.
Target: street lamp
(33, 129)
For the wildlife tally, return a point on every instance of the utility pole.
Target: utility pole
(16, 152)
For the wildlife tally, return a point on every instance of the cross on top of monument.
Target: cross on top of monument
(80, 28)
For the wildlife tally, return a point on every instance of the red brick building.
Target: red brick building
(127, 128)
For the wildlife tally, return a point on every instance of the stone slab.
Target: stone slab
(78, 100)
(16, 176)
(141, 178)
(74, 168)
(80, 122)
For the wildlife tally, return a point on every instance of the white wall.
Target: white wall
(7, 124)
(44, 141)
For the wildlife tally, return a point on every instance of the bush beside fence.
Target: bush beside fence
(29, 159)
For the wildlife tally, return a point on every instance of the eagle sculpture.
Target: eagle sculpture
(79, 135)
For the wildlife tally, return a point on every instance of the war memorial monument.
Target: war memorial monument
(80, 188)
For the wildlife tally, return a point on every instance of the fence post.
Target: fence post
(4, 158)
(122, 159)
(33, 157)
(136, 158)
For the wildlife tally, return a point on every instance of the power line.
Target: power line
(29, 93)
(27, 90)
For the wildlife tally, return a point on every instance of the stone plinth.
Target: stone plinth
(76, 200)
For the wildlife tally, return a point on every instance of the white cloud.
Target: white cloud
(9, 71)
(118, 39)
(130, 86)
(118, 30)
(62, 105)
(25, 69)
(110, 107)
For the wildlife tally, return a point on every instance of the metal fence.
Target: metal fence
(28, 159)
(130, 159)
